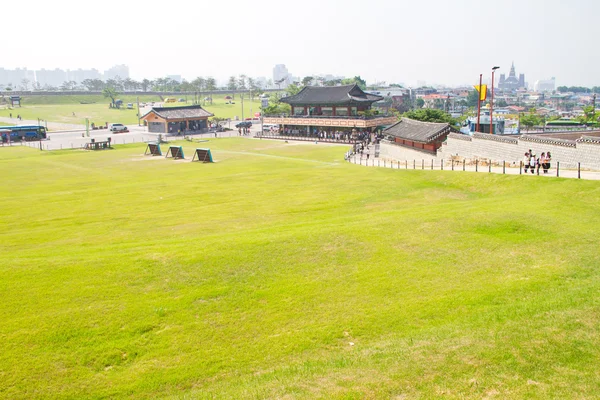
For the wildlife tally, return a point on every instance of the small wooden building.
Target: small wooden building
(177, 119)
(419, 135)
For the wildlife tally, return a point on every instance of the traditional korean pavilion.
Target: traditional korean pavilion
(330, 108)
(427, 136)
(177, 119)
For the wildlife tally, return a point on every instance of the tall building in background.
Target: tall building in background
(511, 83)
(15, 78)
(81, 75)
(50, 77)
(282, 75)
(545, 85)
(121, 71)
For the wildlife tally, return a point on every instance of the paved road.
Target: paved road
(76, 138)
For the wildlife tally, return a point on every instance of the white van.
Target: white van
(270, 127)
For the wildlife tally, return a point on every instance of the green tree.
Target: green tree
(275, 107)
(211, 84)
(68, 85)
(199, 83)
(242, 82)
(145, 84)
(88, 84)
(292, 89)
(472, 98)
(502, 103)
(110, 92)
(356, 80)
(529, 120)
(430, 115)
(253, 88)
(333, 82)
(420, 103)
(307, 80)
(232, 85)
(25, 84)
(589, 115)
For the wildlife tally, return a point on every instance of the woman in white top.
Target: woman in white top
(526, 162)
(532, 162)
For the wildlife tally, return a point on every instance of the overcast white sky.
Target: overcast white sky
(437, 41)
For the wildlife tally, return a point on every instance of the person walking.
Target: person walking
(526, 161)
(541, 162)
(547, 162)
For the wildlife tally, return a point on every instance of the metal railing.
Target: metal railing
(578, 170)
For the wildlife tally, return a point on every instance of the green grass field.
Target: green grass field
(68, 109)
(281, 271)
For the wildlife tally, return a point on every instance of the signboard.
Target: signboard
(15, 101)
(264, 103)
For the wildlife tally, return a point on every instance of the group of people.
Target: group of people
(342, 136)
(18, 117)
(533, 163)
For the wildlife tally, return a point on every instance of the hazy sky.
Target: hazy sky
(437, 41)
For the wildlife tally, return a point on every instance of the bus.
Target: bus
(23, 132)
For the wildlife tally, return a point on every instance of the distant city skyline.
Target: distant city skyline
(55, 77)
(438, 42)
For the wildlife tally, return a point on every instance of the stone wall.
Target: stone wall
(513, 149)
(505, 148)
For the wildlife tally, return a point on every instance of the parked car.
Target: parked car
(244, 124)
(181, 100)
(118, 128)
(130, 106)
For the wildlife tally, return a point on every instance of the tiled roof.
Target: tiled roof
(418, 131)
(182, 112)
(331, 95)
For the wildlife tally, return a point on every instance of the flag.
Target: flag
(482, 91)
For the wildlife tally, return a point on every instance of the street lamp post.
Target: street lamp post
(492, 103)
(479, 102)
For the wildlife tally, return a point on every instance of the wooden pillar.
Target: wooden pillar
(333, 110)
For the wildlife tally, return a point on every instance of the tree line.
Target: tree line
(577, 89)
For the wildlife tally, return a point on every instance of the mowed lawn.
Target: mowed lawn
(281, 271)
(68, 109)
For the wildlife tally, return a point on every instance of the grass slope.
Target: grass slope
(68, 109)
(282, 272)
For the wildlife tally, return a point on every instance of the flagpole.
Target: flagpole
(479, 102)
